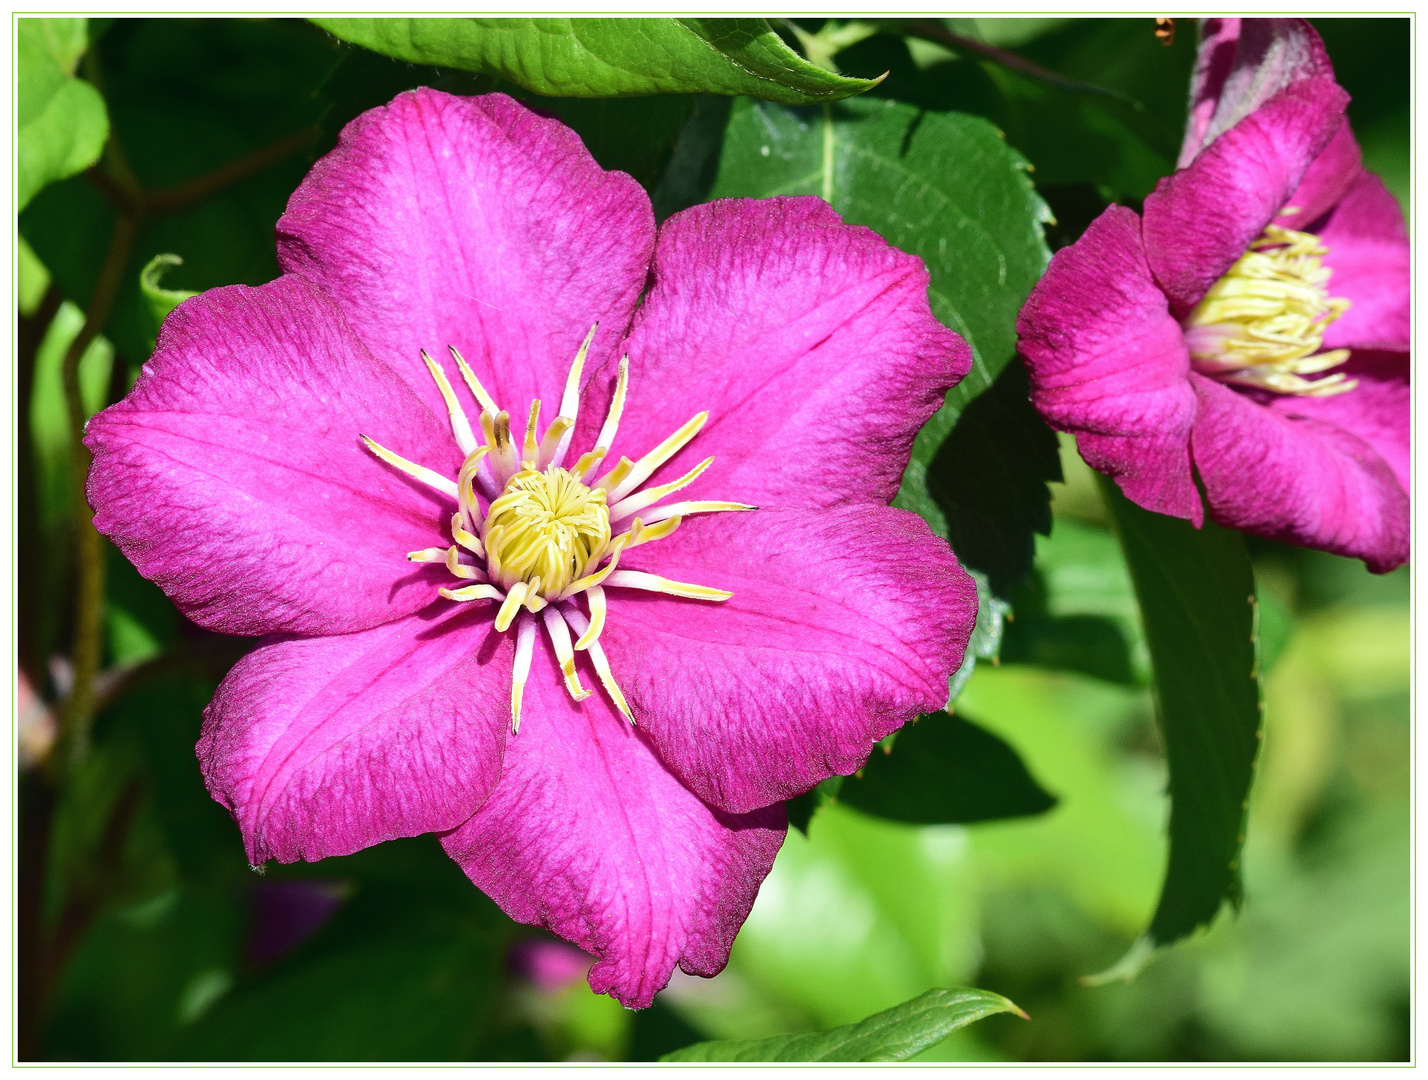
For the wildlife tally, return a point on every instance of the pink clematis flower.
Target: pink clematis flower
(484, 464)
(1252, 326)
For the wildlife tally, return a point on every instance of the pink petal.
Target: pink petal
(1378, 410)
(322, 746)
(1368, 252)
(1108, 363)
(588, 835)
(234, 477)
(472, 222)
(1241, 64)
(844, 625)
(1297, 479)
(1326, 181)
(1203, 218)
(809, 341)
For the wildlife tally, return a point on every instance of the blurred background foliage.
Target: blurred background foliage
(145, 936)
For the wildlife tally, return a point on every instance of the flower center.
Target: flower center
(546, 527)
(538, 536)
(1263, 323)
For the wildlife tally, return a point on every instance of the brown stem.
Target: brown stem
(171, 198)
(932, 30)
(78, 710)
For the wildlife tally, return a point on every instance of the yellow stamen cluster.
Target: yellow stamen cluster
(549, 535)
(547, 526)
(1263, 323)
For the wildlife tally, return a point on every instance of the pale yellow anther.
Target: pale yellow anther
(469, 540)
(638, 579)
(550, 443)
(570, 400)
(695, 506)
(511, 605)
(581, 626)
(588, 462)
(645, 467)
(640, 533)
(427, 555)
(595, 597)
(1263, 323)
(460, 426)
(638, 501)
(530, 448)
(417, 472)
(564, 653)
(520, 670)
(459, 568)
(487, 403)
(473, 592)
(606, 438)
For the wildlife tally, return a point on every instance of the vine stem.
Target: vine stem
(76, 716)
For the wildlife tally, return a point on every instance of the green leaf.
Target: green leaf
(945, 770)
(989, 480)
(897, 1034)
(62, 120)
(942, 185)
(1197, 601)
(609, 57)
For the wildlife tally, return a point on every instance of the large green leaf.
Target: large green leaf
(945, 770)
(609, 57)
(1197, 600)
(62, 120)
(942, 185)
(897, 1034)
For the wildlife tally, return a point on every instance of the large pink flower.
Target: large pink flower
(1252, 326)
(550, 634)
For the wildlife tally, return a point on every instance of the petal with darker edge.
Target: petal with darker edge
(1301, 480)
(1201, 219)
(591, 837)
(234, 476)
(1109, 364)
(844, 624)
(472, 222)
(809, 341)
(323, 746)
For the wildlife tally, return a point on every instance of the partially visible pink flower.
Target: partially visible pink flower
(1252, 327)
(441, 462)
(550, 966)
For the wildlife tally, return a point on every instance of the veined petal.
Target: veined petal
(1204, 217)
(804, 338)
(472, 222)
(590, 836)
(843, 624)
(322, 746)
(233, 474)
(1369, 257)
(1109, 364)
(1298, 479)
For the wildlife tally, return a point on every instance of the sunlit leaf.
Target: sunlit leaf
(897, 1034)
(62, 120)
(609, 57)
